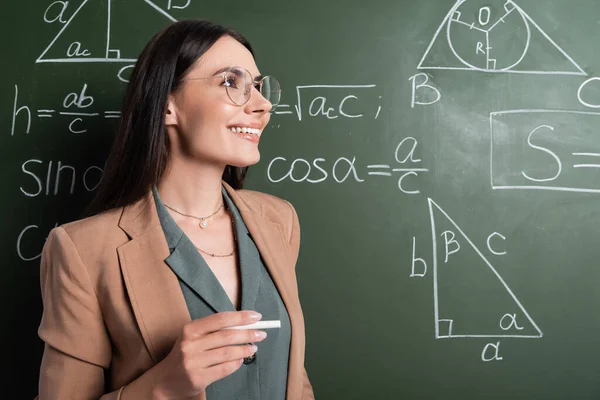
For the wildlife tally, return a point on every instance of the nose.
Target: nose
(258, 104)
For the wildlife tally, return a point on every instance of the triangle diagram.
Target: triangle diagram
(471, 299)
(95, 32)
(477, 36)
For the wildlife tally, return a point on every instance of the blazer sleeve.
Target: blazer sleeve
(307, 390)
(77, 348)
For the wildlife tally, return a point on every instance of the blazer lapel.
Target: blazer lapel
(190, 266)
(195, 273)
(249, 258)
(154, 291)
(273, 247)
(268, 237)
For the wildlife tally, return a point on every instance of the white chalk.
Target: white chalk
(258, 325)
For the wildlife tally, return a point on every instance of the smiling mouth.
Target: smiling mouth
(238, 129)
(250, 134)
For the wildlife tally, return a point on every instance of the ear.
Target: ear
(171, 113)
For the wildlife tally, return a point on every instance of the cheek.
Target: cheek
(205, 127)
(200, 118)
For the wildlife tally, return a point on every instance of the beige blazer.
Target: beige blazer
(113, 308)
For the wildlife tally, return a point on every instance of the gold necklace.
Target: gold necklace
(234, 242)
(203, 224)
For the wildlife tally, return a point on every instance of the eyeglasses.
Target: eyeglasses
(238, 83)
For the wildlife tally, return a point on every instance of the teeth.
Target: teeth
(238, 129)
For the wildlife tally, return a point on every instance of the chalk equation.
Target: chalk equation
(329, 102)
(545, 150)
(75, 109)
(332, 102)
(318, 170)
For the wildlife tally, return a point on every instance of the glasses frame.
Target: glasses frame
(255, 81)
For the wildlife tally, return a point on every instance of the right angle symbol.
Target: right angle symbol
(500, 39)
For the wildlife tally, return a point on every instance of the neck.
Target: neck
(192, 189)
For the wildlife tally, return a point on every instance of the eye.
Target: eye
(231, 81)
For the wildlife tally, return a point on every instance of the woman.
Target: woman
(137, 297)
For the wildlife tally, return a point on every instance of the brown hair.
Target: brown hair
(139, 154)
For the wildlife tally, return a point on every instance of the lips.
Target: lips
(247, 135)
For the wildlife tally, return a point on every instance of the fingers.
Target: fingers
(227, 354)
(218, 321)
(206, 352)
(220, 371)
(216, 340)
(232, 337)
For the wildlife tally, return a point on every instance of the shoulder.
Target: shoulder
(99, 225)
(268, 205)
(271, 208)
(266, 202)
(93, 238)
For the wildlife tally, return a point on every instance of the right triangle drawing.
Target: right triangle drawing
(505, 39)
(471, 299)
(105, 31)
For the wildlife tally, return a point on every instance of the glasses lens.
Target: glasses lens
(239, 85)
(271, 90)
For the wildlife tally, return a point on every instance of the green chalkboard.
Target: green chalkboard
(442, 156)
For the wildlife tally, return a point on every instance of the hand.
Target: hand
(204, 353)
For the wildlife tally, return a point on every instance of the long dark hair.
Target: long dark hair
(139, 154)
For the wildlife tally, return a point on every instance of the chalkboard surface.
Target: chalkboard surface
(443, 158)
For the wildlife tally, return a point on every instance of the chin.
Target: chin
(245, 161)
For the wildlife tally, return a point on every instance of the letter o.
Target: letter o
(291, 173)
(85, 178)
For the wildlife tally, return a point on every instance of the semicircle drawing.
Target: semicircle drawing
(505, 39)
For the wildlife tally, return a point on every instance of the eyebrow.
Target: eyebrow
(256, 78)
(221, 71)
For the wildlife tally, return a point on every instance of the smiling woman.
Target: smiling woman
(138, 296)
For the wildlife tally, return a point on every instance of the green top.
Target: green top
(261, 377)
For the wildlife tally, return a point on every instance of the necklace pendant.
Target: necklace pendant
(203, 224)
